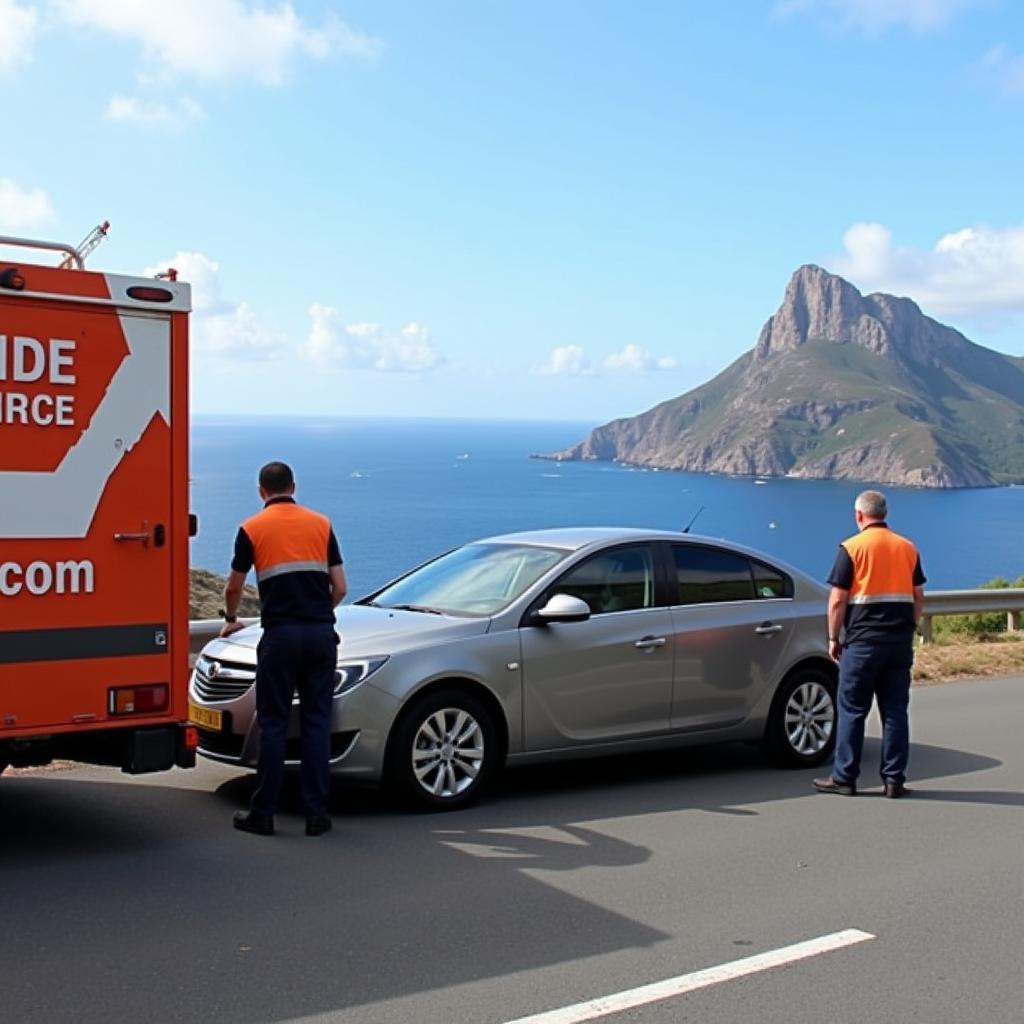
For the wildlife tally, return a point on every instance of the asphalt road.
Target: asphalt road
(134, 899)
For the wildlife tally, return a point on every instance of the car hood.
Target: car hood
(367, 631)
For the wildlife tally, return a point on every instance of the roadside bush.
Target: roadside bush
(980, 626)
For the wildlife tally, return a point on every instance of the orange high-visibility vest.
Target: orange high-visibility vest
(287, 538)
(883, 567)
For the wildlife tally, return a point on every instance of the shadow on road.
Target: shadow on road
(101, 877)
(725, 779)
(102, 873)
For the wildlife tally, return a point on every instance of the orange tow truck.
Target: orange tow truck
(94, 513)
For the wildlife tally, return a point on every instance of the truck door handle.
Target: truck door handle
(142, 537)
(767, 628)
(649, 643)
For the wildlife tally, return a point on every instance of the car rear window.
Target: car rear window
(769, 582)
(706, 575)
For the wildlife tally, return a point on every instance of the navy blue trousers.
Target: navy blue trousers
(295, 658)
(874, 671)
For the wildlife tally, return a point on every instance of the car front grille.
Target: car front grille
(219, 680)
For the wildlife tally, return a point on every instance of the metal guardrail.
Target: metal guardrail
(971, 602)
(936, 602)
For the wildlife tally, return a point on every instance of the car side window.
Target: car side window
(614, 581)
(711, 575)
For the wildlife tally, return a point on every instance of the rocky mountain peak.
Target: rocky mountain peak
(821, 305)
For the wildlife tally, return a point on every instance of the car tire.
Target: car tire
(443, 751)
(801, 729)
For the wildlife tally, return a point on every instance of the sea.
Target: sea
(400, 491)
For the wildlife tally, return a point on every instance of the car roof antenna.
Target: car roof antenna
(686, 528)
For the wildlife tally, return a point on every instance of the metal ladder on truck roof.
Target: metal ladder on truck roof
(85, 247)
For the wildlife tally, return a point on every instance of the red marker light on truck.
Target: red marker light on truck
(148, 699)
(146, 293)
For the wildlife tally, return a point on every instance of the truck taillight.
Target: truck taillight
(147, 699)
(191, 737)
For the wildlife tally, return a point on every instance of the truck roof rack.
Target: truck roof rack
(74, 255)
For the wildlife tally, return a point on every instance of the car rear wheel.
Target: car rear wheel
(801, 729)
(444, 751)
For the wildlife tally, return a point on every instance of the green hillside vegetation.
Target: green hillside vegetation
(939, 412)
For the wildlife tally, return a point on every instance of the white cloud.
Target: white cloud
(366, 346)
(976, 270)
(878, 15)
(219, 39)
(218, 327)
(23, 208)
(567, 361)
(18, 23)
(573, 361)
(1004, 70)
(153, 113)
(635, 359)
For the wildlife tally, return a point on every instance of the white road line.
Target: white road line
(659, 990)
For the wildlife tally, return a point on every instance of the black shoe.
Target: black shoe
(894, 790)
(249, 821)
(318, 825)
(830, 785)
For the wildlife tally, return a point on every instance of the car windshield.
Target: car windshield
(478, 579)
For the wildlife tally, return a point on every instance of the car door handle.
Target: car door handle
(649, 643)
(767, 628)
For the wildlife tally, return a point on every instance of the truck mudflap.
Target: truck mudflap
(159, 748)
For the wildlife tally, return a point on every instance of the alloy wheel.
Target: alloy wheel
(448, 752)
(809, 718)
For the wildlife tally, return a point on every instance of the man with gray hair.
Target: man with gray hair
(876, 601)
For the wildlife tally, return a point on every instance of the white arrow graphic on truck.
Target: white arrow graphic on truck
(63, 503)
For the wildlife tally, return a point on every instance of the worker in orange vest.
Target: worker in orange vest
(301, 579)
(874, 607)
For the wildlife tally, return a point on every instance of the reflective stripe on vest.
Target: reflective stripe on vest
(282, 567)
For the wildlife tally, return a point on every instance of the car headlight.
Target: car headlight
(350, 674)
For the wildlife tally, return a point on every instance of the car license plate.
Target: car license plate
(206, 718)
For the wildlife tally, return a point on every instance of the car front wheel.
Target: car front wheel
(444, 750)
(801, 729)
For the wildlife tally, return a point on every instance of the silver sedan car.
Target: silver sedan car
(548, 644)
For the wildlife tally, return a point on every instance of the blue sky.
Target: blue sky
(549, 209)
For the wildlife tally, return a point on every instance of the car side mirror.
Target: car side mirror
(563, 608)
